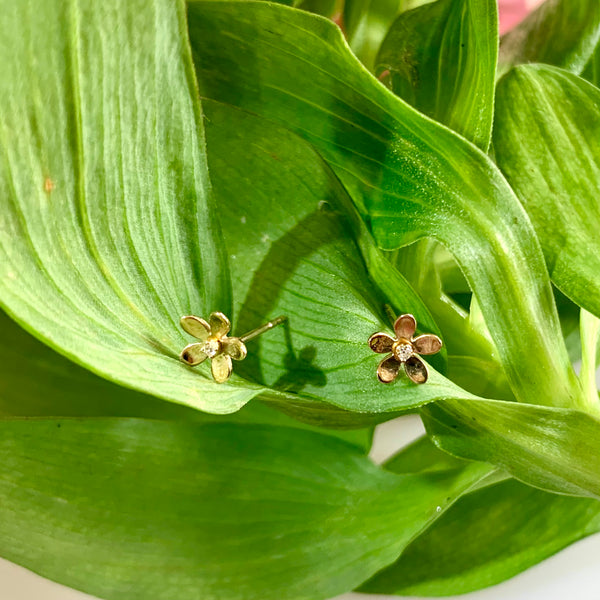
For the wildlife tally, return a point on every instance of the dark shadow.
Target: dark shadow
(285, 255)
(300, 370)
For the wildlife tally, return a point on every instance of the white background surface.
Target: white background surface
(573, 574)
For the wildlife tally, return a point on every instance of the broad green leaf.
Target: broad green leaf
(105, 256)
(490, 534)
(409, 176)
(555, 449)
(442, 58)
(547, 143)
(300, 258)
(132, 509)
(487, 536)
(35, 381)
(563, 33)
(107, 231)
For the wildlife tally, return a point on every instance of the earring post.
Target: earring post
(260, 330)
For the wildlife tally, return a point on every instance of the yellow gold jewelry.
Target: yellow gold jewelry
(404, 351)
(215, 344)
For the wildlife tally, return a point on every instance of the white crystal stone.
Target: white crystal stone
(403, 352)
(211, 347)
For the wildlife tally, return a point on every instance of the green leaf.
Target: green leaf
(487, 536)
(101, 264)
(327, 8)
(547, 143)
(353, 13)
(107, 231)
(366, 23)
(520, 526)
(422, 456)
(442, 58)
(300, 258)
(555, 449)
(35, 381)
(473, 360)
(131, 509)
(409, 177)
(563, 33)
(592, 69)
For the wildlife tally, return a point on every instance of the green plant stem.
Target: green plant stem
(590, 332)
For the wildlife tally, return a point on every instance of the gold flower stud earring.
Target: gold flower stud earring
(405, 350)
(215, 344)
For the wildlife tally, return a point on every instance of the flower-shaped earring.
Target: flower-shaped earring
(215, 344)
(404, 350)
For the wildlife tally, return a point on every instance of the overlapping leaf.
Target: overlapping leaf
(299, 257)
(155, 510)
(35, 381)
(547, 143)
(563, 33)
(520, 526)
(442, 58)
(107, 246)
(409, 176)
(488, 536)
(107, 232)
(555, 449)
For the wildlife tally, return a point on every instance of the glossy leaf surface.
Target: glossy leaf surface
(551, 448)
(154, 510)
(487, 536)
(107, 230)
(35, 381)
(547, 143)
(442, 58)
(109, 288)
(490, 534)
(409, 177)
(299, 258)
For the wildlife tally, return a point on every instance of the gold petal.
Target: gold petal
(381, 343)
(234, 347)
(219, 324)
(388, 369)
(221, 367)
(427, 344)
(416, 369)
(193, 354)
(405, 327)
(195, 326)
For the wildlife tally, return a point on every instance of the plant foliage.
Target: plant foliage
(337, 163)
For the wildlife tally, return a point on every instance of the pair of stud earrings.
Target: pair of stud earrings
(214, 344)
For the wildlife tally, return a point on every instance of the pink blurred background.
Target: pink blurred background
(512, 12)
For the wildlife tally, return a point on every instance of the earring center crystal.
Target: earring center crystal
(403, 351)
(211, 347)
